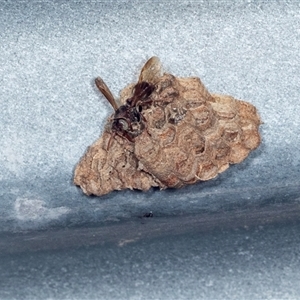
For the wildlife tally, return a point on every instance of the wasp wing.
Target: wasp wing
(151, 71)
(103, 88)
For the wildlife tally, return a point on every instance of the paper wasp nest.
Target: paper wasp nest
(167, 132)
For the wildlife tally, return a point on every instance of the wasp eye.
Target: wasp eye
(121, 124)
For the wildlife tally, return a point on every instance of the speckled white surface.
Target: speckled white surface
(51, 111)
(50, 53)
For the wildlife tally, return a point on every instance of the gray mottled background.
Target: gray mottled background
(50, 53)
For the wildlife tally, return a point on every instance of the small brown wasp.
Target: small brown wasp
(128, 120)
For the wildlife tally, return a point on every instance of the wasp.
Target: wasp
(128, 120)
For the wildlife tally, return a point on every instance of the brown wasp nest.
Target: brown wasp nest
(167, 132)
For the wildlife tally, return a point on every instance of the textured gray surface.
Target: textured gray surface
(250, 263)
(51, 111)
